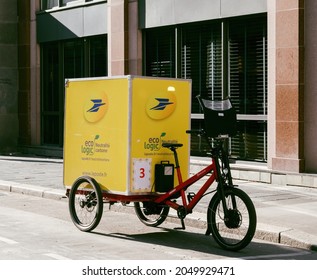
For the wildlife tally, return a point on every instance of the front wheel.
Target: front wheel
(235, 230)
(150, 213)
(85, 203)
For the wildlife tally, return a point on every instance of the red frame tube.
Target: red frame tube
(179, 190)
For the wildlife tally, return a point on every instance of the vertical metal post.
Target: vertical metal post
(178, 52)
(225, 65)
(225, 58)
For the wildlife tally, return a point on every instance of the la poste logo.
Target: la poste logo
(161, 105)
(96, 107)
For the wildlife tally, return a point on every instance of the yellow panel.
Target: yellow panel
(160, 113)
(96, 132)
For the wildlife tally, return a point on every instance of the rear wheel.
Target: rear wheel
(85, 203)
(235, 230)
(150, 213)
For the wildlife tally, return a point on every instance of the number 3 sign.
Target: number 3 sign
(141, 175)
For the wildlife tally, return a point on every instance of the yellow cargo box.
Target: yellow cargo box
(114, 130)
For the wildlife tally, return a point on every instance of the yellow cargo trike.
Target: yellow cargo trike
(125, 139)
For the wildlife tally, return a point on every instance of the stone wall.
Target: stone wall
(8, 76)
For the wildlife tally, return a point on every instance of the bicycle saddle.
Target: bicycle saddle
(172, 145)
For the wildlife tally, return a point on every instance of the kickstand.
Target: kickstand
(183, 225)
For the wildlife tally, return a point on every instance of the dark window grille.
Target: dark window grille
(248, 87)
(51, 100)
(160, 51)
(203, 59)
(85, 57)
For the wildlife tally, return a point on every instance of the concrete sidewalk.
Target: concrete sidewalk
(286, 214)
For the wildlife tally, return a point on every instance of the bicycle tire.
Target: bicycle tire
(237, 231)
(85, 203)
(150, 213)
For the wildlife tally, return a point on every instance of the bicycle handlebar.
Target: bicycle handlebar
(196, 131)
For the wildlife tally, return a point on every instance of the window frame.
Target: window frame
(59, 4)
(252, 125)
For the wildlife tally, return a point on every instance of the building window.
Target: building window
(64, 2)
(51, 101)
(73, 53)
(160, 51)
(223, 58)
(98, 65)
(248, 87)
(201, 60)
(50, 4)
(201, 57)
(85, 57)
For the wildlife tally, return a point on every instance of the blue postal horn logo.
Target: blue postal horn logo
(96, 107)
(163, 102)
(161, 105)
(97, 104)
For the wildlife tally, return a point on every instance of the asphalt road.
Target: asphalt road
(33, 228)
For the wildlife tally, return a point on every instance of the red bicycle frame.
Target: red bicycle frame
(182, 187)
